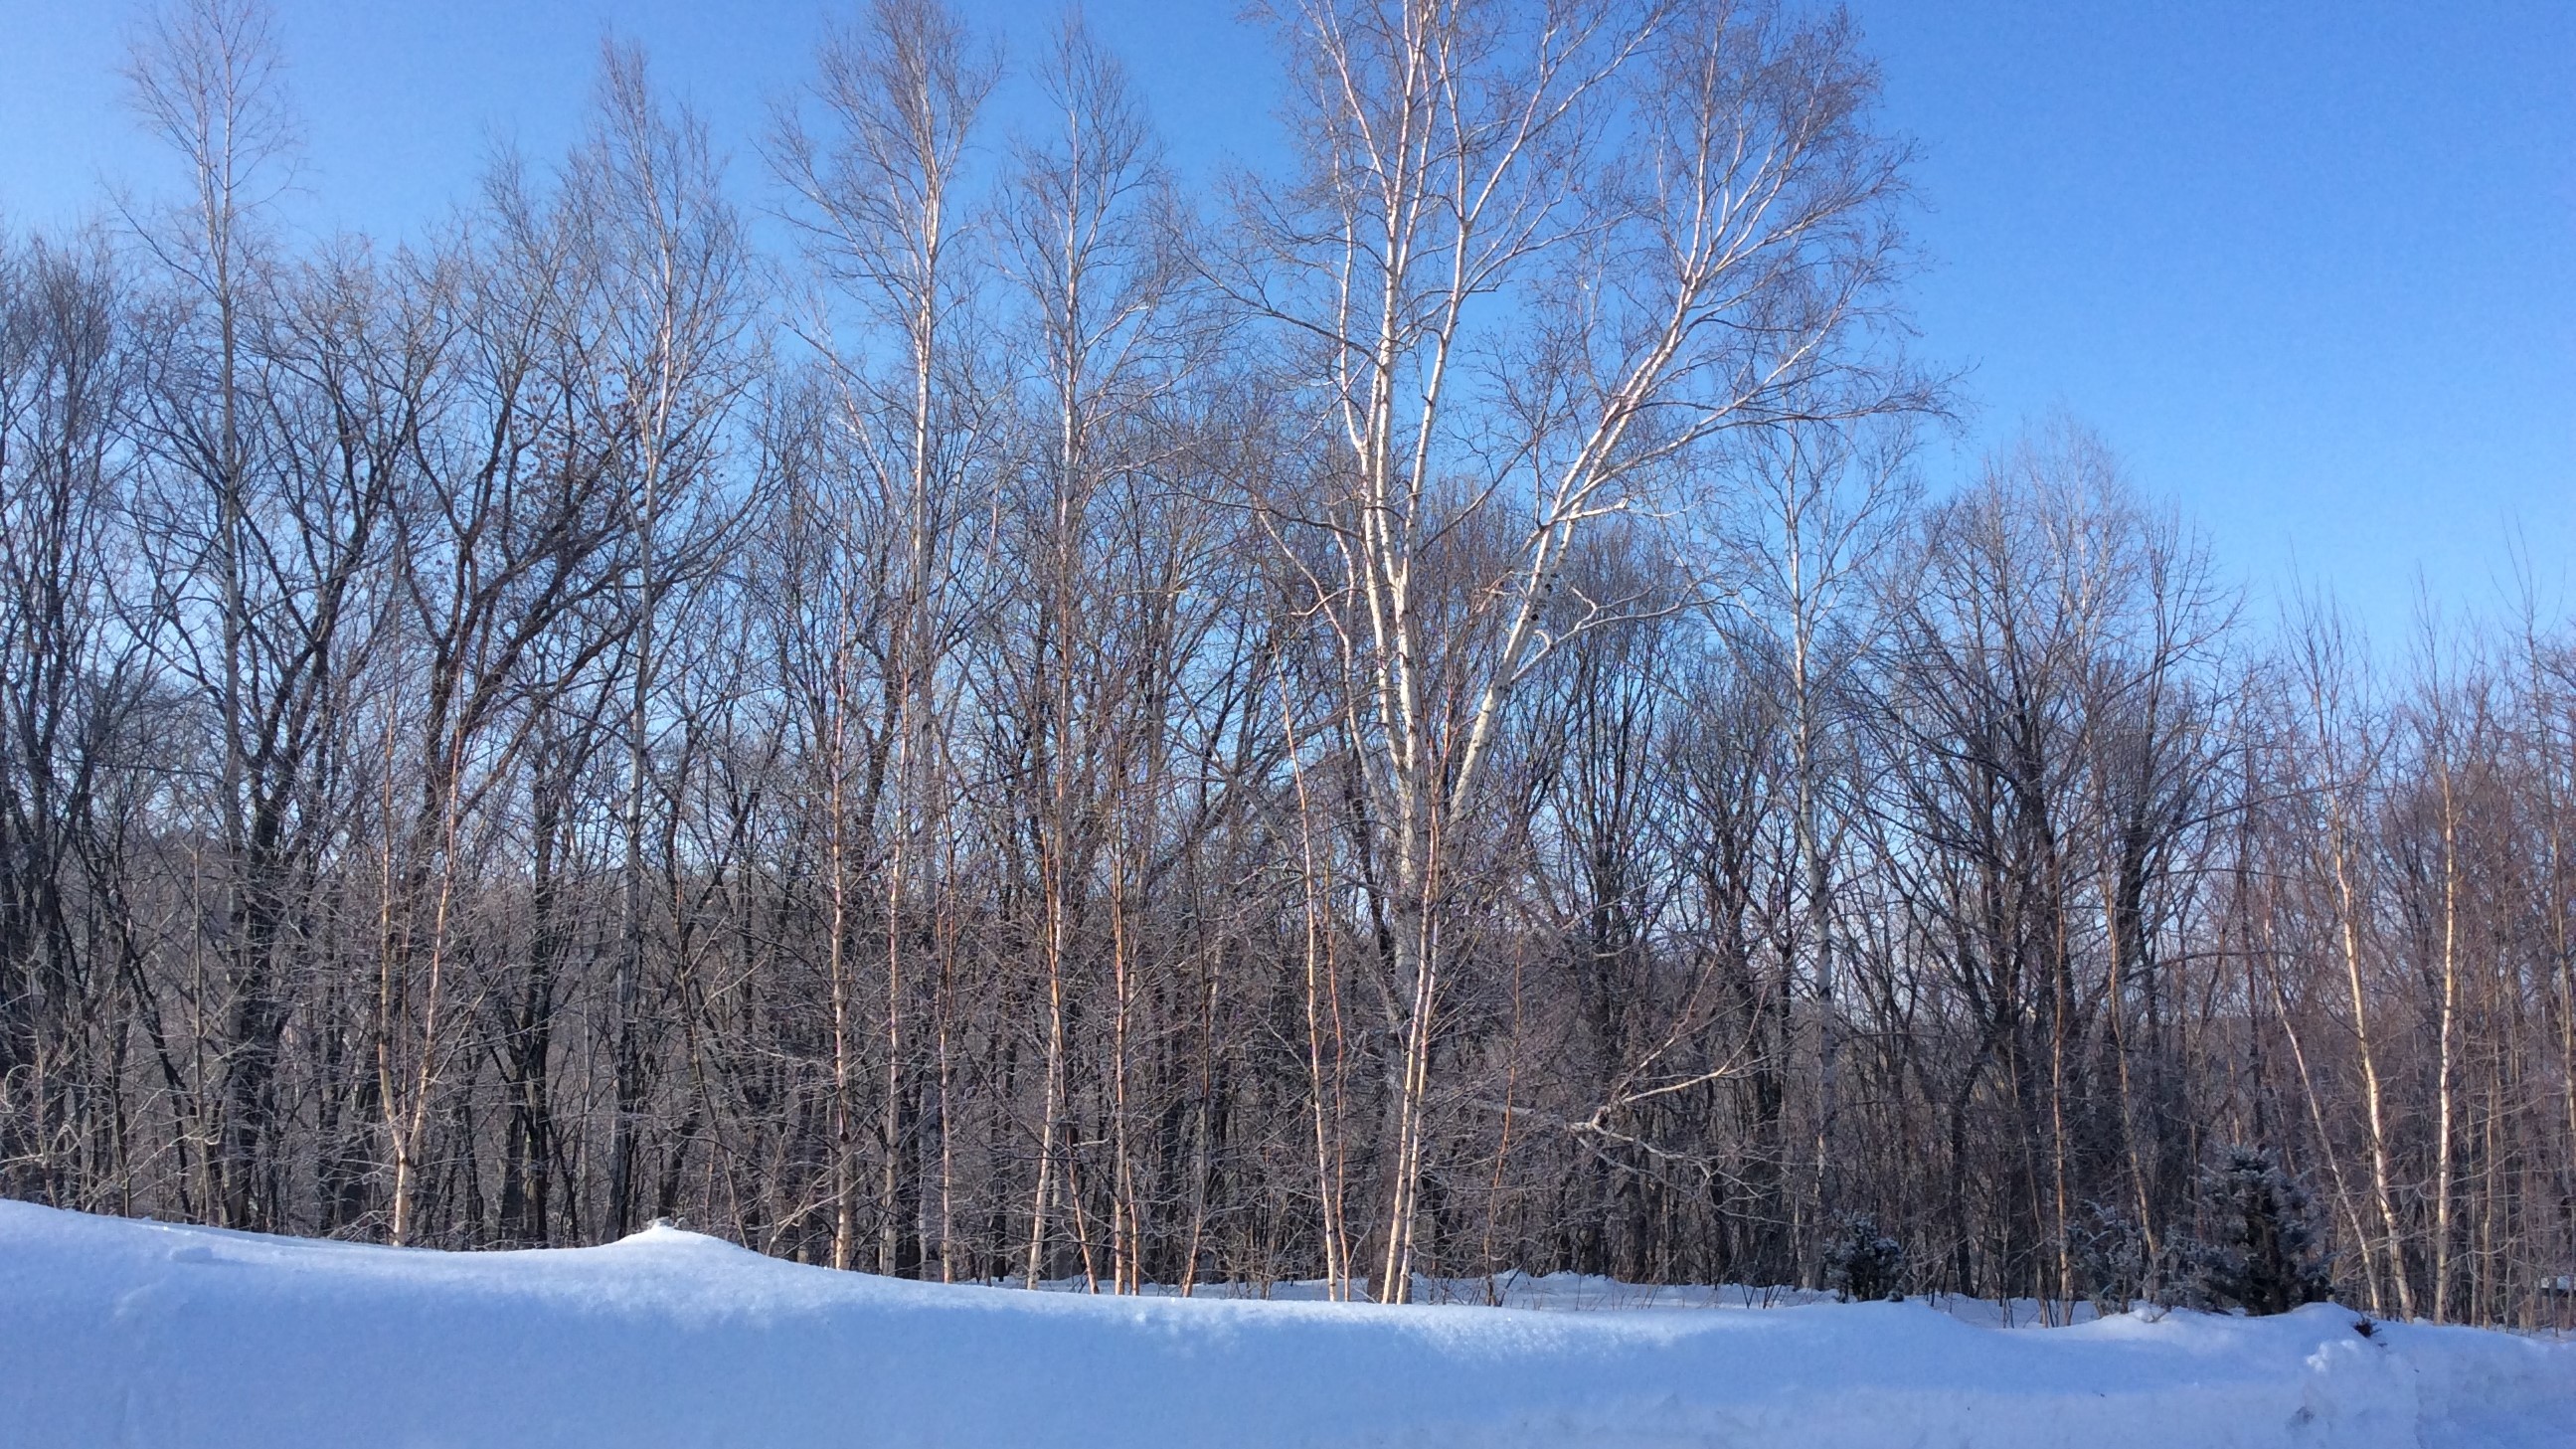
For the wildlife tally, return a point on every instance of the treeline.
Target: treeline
(1400, 717)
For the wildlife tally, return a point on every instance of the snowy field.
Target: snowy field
(126, 1333)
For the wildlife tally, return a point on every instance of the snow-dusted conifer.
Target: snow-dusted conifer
(1862, 1263)
(2262, 1253)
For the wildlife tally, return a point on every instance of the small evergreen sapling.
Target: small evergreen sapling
(2262, 1253)
(2111, 1258)
(1863, 1264)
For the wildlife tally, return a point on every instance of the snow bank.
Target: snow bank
(117, 1333)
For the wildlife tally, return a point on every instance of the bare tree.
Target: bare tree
(675, 298)
(1461, 207)
(879, 198)
(205, 76)
(74, 676)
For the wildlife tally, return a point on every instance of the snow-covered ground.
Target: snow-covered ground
(1577, 1291)
(127, 1333)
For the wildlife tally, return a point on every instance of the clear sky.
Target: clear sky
(2309, 266)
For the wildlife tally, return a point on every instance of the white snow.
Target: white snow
(118, 1333)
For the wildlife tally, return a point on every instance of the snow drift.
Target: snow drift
(115, 1333)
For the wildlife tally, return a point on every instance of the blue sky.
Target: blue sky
(2310, 267)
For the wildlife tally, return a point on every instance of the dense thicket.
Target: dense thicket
(1403, 716)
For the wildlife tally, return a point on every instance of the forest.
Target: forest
(914, 692)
